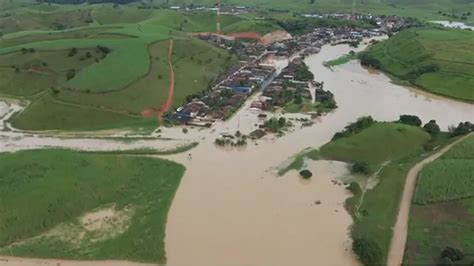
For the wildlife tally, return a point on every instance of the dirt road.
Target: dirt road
(169, 101)
(397, 246)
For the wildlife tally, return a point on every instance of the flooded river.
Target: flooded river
(231, 208)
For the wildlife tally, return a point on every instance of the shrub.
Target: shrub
(461, 129)
(72, 52)
(354, 128)
(70, 74)
(453, 254)
(367, 250)
(306, 174)
(432, 128)
(412, 120)
(103, 49)
(354, 188)
(360, 168)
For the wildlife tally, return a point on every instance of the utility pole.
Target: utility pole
(218, 25)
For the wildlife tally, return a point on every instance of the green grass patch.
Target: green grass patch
(379, 143)
(147, 151)
(449, 178)
(48, 114)
(297, 162)
(443, 210)
(433, 58)
(400, 145)
(341, 60)
(50, 190)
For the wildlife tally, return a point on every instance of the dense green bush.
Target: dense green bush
(354, 188)
(306, 174)
(410, 120)
(367, 250)
(354, 128)
(360, 168)
(432, 128)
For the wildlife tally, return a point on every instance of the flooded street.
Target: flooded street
(232, 209)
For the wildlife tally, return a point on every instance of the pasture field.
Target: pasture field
(85, 206)
(379, 143)
(107, 88)
(443, 209)
(435, 59)
(445, 180)
(46, 113)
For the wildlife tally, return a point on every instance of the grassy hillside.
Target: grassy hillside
(443, 209)
(391, 150)
(107, 90)
(66, 204)
(435, 59)
(379, 143)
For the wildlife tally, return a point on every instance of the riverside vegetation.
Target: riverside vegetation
(379, 154)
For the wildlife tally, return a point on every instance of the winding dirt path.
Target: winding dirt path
(169, 101)
(399, 238)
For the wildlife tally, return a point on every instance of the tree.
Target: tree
(367, 250)
(306, 174)
(412, 120)
(72, 52)
(360, 167)
(462, 129)
(432, 128)
(70, 74)
(355, 188)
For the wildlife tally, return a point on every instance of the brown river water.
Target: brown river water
(232, 209)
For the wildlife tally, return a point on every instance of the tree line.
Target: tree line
(87, 1)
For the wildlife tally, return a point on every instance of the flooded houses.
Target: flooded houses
(294, 88)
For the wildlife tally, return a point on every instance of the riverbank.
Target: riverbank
(430, 58)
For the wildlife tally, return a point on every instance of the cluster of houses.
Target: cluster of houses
(294, 81)
(232, 90)
(226, 97)
(224, 9)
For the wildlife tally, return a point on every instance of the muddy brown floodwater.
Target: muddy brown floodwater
(231, 208)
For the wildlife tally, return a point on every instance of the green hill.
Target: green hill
(435, 59)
